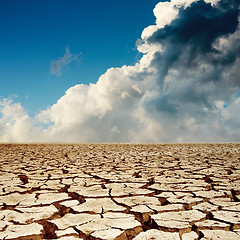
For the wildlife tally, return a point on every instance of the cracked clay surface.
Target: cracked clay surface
(120, 191)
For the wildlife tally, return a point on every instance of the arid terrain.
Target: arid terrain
(120, 191)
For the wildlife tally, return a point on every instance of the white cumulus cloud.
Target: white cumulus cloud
(15, 124)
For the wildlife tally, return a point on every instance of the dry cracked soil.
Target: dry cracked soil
(119, 191)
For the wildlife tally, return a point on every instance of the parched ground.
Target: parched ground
(120, 191)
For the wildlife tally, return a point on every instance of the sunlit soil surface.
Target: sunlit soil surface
(120, 191)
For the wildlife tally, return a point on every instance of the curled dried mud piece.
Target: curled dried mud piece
(23, 178)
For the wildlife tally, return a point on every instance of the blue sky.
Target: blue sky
(36, 32)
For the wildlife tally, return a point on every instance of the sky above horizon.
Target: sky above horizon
(36, 33)
(119, 71)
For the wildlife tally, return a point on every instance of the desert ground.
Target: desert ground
(120, 191)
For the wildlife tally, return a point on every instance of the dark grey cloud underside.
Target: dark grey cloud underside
(188, 43)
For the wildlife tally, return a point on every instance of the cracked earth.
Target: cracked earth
(120, 191)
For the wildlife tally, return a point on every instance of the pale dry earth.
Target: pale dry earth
(120, 191)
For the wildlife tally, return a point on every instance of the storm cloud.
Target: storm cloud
(185, 88)
(197, 58)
